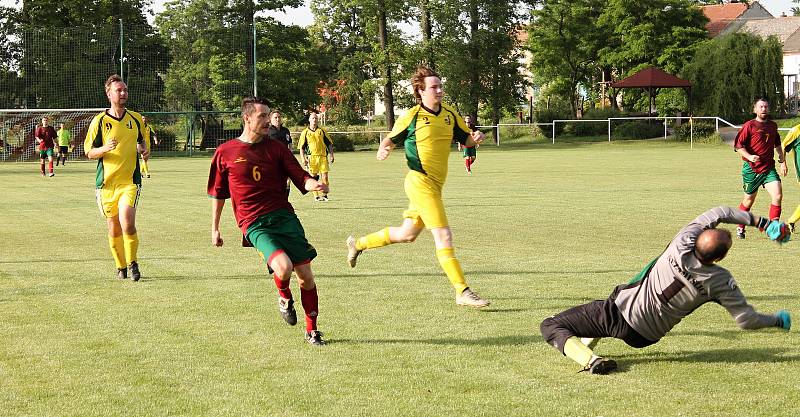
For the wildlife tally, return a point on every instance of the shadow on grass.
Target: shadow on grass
(487, 341)
(470, 272)
(83, 260)
(739, 355)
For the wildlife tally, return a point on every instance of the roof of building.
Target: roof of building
(720, 15)
(651, 77)
(784, 28)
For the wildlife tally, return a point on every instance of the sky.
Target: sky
(302, 16)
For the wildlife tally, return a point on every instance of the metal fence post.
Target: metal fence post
(554, 132)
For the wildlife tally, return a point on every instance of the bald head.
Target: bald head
(712, 245)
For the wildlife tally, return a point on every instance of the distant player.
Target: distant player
(791, 143)
(45, 137)
(755, 142)
(684, 277)
(64, 138)
(252, 171)
(470, 153)
(151, 139)
(315, 148)
(115, 140)
(427, 131)
(281, 134)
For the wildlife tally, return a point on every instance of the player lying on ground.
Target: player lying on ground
(668, 289)
(252, 171)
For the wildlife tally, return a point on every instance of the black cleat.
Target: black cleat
(740, 232)
(122, 273)
(314, 337)
(286, 308)
(601, 366)
(791, 227)
(135, 274)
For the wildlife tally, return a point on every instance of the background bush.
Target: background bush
(702, 130)
(636, 130)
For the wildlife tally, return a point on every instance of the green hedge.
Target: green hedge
(702, 130)
(636, 130)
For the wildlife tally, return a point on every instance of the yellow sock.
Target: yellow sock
(451, 266)
(374, 240)
(117, 250)
(131, 246)
(577, 351)
(795, 216)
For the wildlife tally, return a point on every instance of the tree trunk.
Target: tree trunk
(388, 97)
(427, 30)
(473, 65)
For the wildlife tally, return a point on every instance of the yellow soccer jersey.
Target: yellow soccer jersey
(314, 142)
(427, 137)
(147, 134)
(119, 166)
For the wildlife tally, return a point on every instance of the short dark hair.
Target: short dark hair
(418, 79)
(249, 104)
(764, 99)
(113, 78)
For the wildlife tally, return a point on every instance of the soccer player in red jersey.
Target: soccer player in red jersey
(755, 142)
(45, 137)
(252, 171)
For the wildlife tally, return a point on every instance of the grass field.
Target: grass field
(537, 228)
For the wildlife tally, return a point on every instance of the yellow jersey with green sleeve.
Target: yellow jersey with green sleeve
(119, 166)
(314, 142)
(427, 137)
(147, 134)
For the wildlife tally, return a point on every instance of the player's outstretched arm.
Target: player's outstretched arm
(385, 148)
(314, 185)
(216, 212)
(475, 138)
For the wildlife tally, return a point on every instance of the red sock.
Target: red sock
(774, 212)
(51, 167)
(310, 306)
(742, 208)
(468, 163)
(283, 287)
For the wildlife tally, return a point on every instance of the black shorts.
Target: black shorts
(599, 318)
(63, 149)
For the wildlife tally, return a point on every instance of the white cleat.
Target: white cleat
(471, 298)
(352, 252)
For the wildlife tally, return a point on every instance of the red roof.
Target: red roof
(720, 15)
(651, 77)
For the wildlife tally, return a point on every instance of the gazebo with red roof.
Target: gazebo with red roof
(652, 79)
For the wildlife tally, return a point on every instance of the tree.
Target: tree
(9, 54)
(729, 72)
(795, 10)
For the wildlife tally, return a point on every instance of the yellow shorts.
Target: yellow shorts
(318, 164)
(109, 199)
(425, 204)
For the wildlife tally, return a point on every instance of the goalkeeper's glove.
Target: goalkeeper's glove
(763, 222)
(784, 319)
(779, 231)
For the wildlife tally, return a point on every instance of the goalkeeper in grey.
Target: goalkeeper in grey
(684, 277)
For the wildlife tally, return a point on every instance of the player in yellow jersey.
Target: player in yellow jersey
(115, 140)
(427, 130)
(150, 139)
(315, 148)
(791, 143)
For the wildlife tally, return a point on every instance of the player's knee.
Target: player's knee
(282, 267)
(407, 236)
(553, 333)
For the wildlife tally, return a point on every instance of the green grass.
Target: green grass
(537, 228)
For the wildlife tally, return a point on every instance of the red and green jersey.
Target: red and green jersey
(253, 176)
(759, 138)
(47, 135)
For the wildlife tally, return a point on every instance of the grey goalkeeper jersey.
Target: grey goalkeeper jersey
(678, 284)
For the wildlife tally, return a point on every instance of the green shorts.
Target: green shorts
(47, 153)
(751, 181)
(471, 151)
(280, 231)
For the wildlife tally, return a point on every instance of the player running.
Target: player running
(315, 147)
(470, 153)
(668, 289)
(755, 143)
(115, 139)
(427, 130)
(252, 171)
(45, 136)
(791, 143)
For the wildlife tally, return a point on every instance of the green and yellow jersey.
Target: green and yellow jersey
(64, 136)
(427, 137)
(147, 134)
(120, 166)
(314, 142)
(792, 143)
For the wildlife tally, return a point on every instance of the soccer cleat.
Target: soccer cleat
(324, 198)
(791, 227)
(352, 252)
(52, 174)
(135, 274)
(740, 232)
(471, 299)
(314, 337)
(122, 273)
(317, 198)
(601, 366)
(148, 175)
(286, 308)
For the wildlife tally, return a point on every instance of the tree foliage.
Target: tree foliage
(729, 72)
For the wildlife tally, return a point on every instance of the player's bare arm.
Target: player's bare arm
(314, 185)
(746, 155)
(142, 149)
(97, 153)
(330, 152)
(216, 213)
(475, 138)
(783, 169)
(384, 149)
